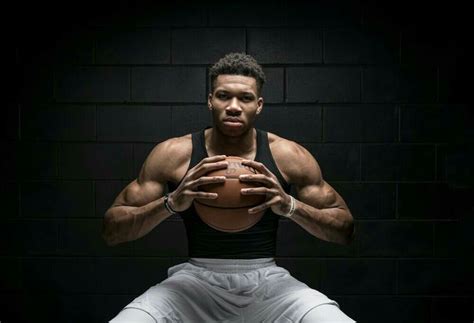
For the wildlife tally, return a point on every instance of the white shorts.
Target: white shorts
(229, 290)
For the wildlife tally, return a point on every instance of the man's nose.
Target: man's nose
(234, 107)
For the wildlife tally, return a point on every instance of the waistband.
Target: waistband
(232, 265)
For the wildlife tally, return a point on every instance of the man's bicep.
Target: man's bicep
(312, 189)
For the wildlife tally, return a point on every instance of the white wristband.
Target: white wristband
(292, 208)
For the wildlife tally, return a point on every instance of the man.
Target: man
(230, 277)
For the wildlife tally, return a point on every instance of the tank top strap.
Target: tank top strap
(264, 155)
(199, 147)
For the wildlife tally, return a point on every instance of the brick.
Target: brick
(425, 201)
(135, 274)
(325, 14)
(396, 239)
(66, 45)
(418, 84)
(81, 237)
(452, 309)
(38, 237)
(273, 88)
(144, 46)
(298, 123)
(171, 15)
(205, 45)
(305, 270)
(277, 46)
(71, 199)
(9, 199)
(8, 229)
(140, 153)
(98, 309)
(58, 122)
(421, 46)
(66, 275)
(454, 81)
(96, 161)
(133, 123)
(186, 119)
(367, 276)
(294, 241)
(93, 84)
(10, 278)
(39, 304)
(436, 123)
(398, 162)
(434, 277)
(10, 124)
(168, 84)
(380, 84)
(368, 200)
(9, 163)
(36, 84)
(323, 84)
(361, 46)
(238, 14)
(338, 162)
(360, 123)
(44, 155)
(105, 193)
(393, 309)
(454, 238)
(454, 164)
(167, 239)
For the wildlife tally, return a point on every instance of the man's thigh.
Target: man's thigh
(128, 315)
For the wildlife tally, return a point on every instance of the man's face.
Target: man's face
(234, 104)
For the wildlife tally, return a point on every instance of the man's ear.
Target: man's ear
(209, 104)
(259, 105)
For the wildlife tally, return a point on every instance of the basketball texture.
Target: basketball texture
(229, 212)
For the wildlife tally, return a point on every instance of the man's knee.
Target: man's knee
(326, 313)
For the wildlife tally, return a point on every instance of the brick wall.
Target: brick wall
(377, 93)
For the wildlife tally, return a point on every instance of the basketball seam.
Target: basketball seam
(225, 207)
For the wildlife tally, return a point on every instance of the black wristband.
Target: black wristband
(168, 207)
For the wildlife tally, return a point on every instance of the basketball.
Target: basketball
(229, 212)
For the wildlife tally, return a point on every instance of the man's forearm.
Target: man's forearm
(127, 223)
(333, 225)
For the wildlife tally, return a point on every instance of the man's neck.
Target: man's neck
(219, 144)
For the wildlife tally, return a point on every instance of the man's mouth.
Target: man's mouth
(232, 121)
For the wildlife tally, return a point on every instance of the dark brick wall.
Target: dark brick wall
(377, 92)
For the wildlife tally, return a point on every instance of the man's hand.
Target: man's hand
(277, 199)
(182, 198)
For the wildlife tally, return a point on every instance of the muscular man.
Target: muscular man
(230, 277)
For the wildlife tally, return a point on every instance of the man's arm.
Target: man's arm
(320, 210)
(140, 206)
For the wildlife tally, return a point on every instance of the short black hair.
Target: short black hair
(237, 64)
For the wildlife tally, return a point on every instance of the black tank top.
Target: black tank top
(258, 241)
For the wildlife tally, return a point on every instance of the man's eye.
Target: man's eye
(222, 96)
(247, 98)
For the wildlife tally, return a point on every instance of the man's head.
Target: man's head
(237, 64)
(234, 99)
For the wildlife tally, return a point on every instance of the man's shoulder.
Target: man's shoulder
(291, 158)
(171, 154)
(176, 146)
(284, 148)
